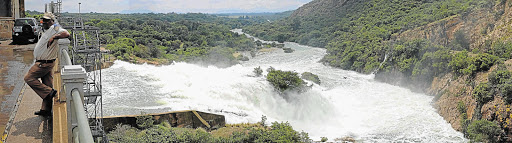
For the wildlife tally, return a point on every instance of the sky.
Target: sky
(167, 6)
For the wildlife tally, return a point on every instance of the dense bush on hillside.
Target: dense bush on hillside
(484, 131)
(482, 93)
(502, 49)
(465, 64)
(501, 79)
(355, 32)
(418, 61)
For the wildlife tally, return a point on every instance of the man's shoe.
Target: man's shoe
(52, 93)
(43, 113)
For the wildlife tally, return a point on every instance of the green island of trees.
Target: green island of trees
(284, 80)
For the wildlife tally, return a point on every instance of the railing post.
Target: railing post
(64, 59)
(73, 78)
(63, 53)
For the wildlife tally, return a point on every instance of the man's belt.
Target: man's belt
(46, 61)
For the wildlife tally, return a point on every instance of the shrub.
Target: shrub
(484, 62)
(502, 49)
(506, 92)
(497, 77)
(288, 50)
(284, 80)
(323, 139)
(157, 134)
(459, 62)
(461, 107)
(482, 94)
(279, 132)
(145, 121)
(483, 131)
(501, 79)
(258, 71)
(242, 58)
(311, 77)
(465, 65)
(124, 133)
(460, 40)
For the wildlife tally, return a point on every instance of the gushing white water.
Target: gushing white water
(345, 104)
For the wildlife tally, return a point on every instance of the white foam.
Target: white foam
(345, 104)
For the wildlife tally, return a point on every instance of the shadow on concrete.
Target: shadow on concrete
(37, 127)
(21, 43)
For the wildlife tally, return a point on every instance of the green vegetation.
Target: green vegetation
(483, 131)
(464, 121)
(34, 14)
(323, 139)
(145, 122)
(277, 132)
(464, 64)
(419, 61)
(501, 79)
(196, 38)
(360, 35)
(502, 49)
(482, 94)
(311, 77)
(284, 80)
(174, 41)
(288, 50)
(354, 32)
(258, 71)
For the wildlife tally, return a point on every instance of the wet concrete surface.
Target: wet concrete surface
(15, 60)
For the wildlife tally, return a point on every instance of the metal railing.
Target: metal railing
(73, 77)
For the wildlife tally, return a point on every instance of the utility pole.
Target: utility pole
(79, 8)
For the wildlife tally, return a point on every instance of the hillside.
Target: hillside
(443, 48)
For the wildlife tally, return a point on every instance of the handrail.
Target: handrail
(73, 78)
(85, 135)
(65, 58)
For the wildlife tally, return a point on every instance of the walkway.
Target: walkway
(27, 127)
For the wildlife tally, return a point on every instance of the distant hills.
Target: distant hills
(132, 11)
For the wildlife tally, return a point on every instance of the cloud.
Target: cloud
(165, 6)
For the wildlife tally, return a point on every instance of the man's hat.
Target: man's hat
(48, 15)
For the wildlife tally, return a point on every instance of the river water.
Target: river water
(345, 104)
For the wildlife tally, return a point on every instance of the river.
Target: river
(346, 103)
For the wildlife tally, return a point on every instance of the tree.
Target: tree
(482, 94)
(484, 131)
(284, 80)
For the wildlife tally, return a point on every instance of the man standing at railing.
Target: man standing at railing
(45, 54)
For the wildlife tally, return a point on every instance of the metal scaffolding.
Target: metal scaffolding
(86, 52)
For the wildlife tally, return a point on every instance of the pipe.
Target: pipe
(84, 130)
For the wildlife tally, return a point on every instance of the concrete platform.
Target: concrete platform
(30, 128)
(27, 127)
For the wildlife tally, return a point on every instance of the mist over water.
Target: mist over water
(345, 104)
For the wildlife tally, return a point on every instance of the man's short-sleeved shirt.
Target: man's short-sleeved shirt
(41, 51)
